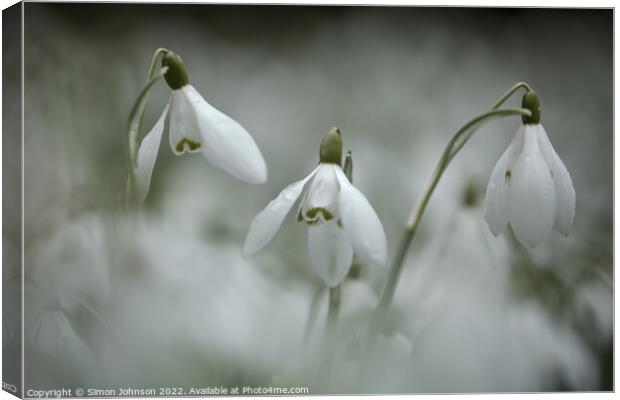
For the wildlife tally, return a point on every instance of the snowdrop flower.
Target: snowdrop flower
(530, 187)
(340, 219)
(195, 125)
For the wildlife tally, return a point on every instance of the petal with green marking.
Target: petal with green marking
(184, 130)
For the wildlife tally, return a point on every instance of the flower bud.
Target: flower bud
(176, 76)
(531, 102)
(331, 148)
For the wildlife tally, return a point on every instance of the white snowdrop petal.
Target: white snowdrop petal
(330, 252)
(361, 223)
(546, 149)
(532, 194)
(564, 190)
(147, 154)
(300, 207)
(497, 199)
(265, 225)
(565, 198)
(184, 130)
(226, 144)
(321, 200)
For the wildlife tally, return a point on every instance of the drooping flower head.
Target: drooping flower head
(340, 219)
(196, 126)
(530, 187)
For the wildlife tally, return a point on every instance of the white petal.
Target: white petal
(564, 190)
(299, 214)
(532, 194)
(330, 252)
(184, 131)
(361, 223)
(265, 225)
(497, 199)
(226, 144)
(147, 153)
(321, 200)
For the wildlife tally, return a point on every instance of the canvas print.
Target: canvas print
(206, 199)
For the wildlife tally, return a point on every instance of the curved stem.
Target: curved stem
(454, 146)
(151, 75)
(502, 100)
(152, 69)
(509, 93)
(133, 131)
(466, 132)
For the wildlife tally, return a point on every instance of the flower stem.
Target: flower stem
(333, 307)
(454, 146)
(509, 93)
(132, 134)
(334, 293)
(312, 314)
(332, 310)
(151, 75)
(152, 68)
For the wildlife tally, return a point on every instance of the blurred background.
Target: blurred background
(162, 297)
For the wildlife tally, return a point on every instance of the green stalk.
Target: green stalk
(334, 293)
(465, 137)
(151, 75)
(333, 310)
(152, 67)
(454, 146)
(312, 315)
(510, 92)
